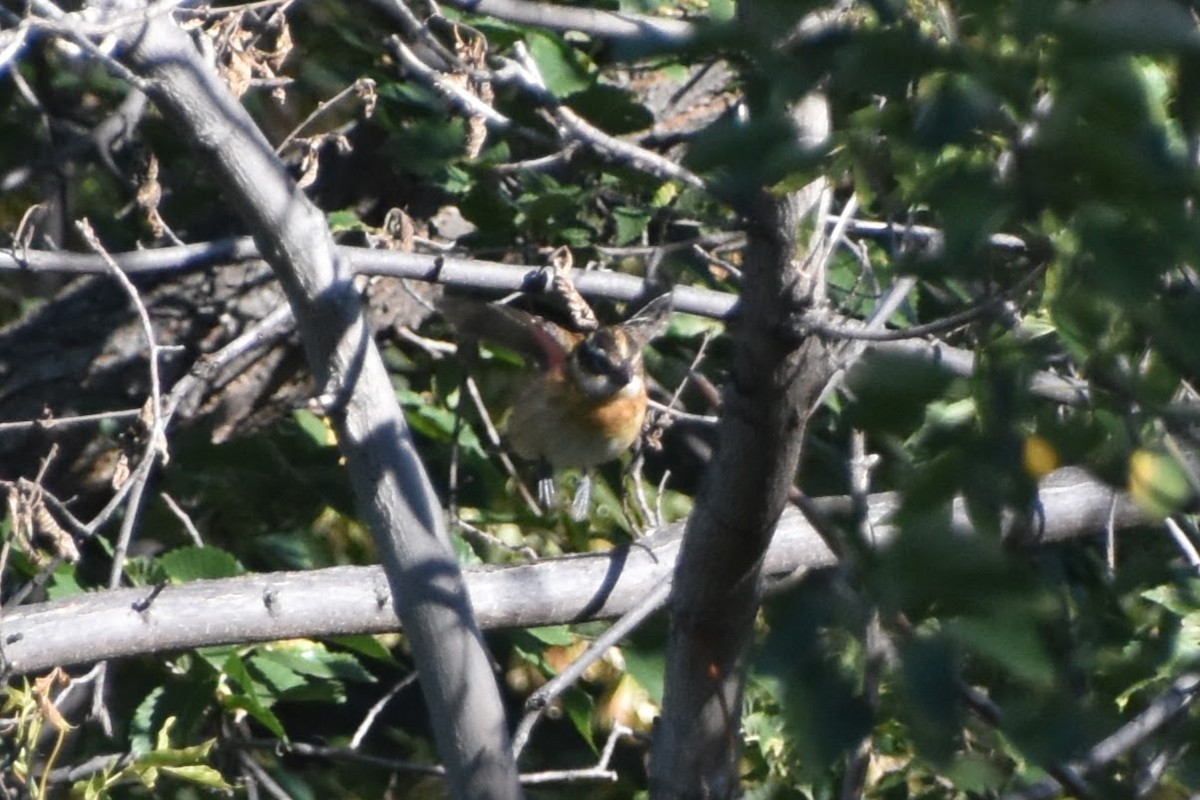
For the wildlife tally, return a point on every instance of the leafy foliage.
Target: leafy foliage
(970, 665)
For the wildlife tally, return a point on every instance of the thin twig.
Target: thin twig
(706, 420)
(263, 777)
(477, 535)
(887, 306)
(79, 31)
(598, 772)
(854, 778)
(157, 439)
(939, 326)
(618, 26)
(376, 708)
(208, 12)
(183, 518)
(459, 96)
(494, 439)
(1110, 537)
(524, 72)
(363, 87)
(497, 278)
(548, 693)
(714, 260)
(1183, 543)
(1164, 708)
(53, 423)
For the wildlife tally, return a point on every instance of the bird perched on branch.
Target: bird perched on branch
(586, 404)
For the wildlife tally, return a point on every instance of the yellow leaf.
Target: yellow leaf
(1040, 457)
(1157, 483)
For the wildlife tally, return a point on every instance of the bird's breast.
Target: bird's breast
(553, 420)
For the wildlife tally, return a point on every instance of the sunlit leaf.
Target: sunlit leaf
(199, 563)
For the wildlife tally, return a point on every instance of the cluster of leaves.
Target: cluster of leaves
(1073, 126)
(1070, 126)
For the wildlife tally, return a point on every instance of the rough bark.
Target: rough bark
(394, 494)
(348, 600)
(718, 579)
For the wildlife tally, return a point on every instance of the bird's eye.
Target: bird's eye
(593, 359)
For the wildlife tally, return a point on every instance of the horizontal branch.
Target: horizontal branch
(352, 600)
(488, 276)
(461, 273)
(624, 27)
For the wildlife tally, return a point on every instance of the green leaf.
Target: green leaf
(575, 236)
(202, 775)
(931, 707)
(630, 222)
(317, 428)
(1145, 26)
(554, 635)
(720, 10)
(187, 763)
(251, 697)
(279, 677)
(94, 788)
(1157, 483)
(64, 583)
(344, 220)
(1180, 600)
(366, 645)
(664, 195)
(186, 699)
(974, 773)
(438, 423)
(1009, 639)
(166, 755)
(615, 110)
(258, 711)
(580, 708)
(561, 65)
(648, 668)
(143, 723)
(187, 564)
(311, 658)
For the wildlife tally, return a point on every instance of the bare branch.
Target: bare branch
(553, 689)
(498, 278)
(349, 600)
(52, 423)
(373, 712)
(394, 493)
(1181, 694)
(525, 72)
(633, 29)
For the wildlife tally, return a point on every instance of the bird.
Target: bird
(586, 402)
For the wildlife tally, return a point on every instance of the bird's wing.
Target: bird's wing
(650, 321)
(531, 336)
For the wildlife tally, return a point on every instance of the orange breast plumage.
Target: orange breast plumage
(554, 421)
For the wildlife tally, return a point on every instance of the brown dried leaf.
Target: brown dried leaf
(283, 45)
(21, 514)
(476, 135)
(42, 689)
(400, 231)
(58, 540)
(365, 89)
(309, 164)
(472, 53)
(121, 471)
(563, 294)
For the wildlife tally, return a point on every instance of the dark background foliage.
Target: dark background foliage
(961, 666)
